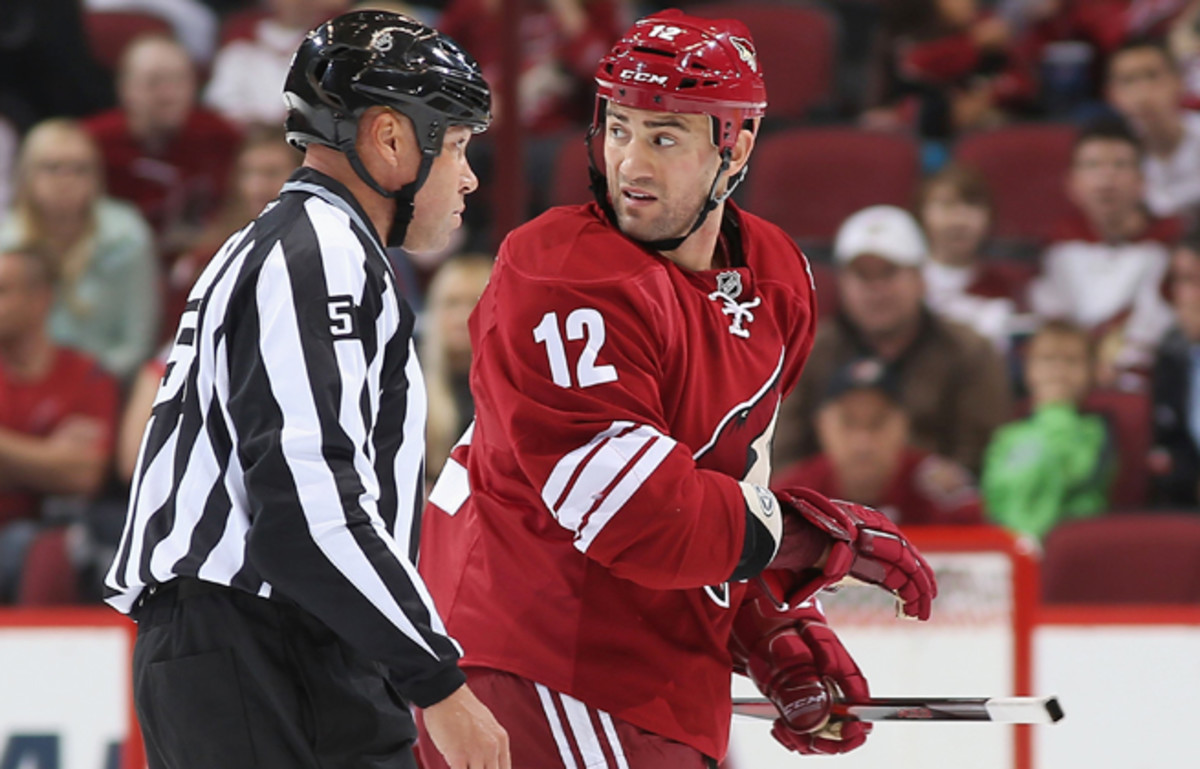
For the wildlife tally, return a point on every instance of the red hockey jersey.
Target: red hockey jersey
(620, 400)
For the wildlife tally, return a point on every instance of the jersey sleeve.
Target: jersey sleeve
(570, 376)
(299, 357)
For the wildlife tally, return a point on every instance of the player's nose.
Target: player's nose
(634, 164)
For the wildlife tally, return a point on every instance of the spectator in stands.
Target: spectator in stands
(248, 72)
(955, 210)
(107, 301)
(1176, 386)
(446, 353)
(952, 382)
(1183, 41)
(194, 23)
(1105, 267)
(957, 64)
(867, 457)
(57, 412)
(161, 152)
(561, 41)
(264, 162)
(1145, 87)
(1057, 464)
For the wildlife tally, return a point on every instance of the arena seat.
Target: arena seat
(569, 184)
(109, 32)
(1026, 168)
(808, 180)
(797, 45)
(1129, 418)
(48, 578)
(1124, 558)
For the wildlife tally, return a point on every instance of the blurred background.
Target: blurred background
(999, 203)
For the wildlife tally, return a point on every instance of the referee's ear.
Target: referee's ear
(387, 144)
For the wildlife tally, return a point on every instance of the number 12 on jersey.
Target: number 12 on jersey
(582, 322)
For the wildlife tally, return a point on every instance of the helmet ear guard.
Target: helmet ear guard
(672, 62)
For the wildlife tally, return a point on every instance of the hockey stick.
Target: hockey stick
(1006, 710)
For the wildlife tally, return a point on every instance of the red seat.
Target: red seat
(569, 185)
(1124, 558)
(796, 46)
(808, 180)
(1018, 273)
(110, 33)
(1026, 169)
(48, 578)
(1129, 419)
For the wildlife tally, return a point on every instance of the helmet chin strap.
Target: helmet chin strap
(599, 187)
(403, 197)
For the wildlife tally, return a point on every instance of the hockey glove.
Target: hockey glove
(865, 545)
(799, 664)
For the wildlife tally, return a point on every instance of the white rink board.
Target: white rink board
(1131, 695)
(965, 650)
(70, 682)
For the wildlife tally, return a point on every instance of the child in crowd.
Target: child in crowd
(1057, 463)
(867, 457)
(955, 210)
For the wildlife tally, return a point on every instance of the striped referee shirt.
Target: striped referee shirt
(284, 453)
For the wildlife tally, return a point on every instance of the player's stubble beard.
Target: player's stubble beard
(671, 221)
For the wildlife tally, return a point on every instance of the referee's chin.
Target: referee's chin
(431, 240)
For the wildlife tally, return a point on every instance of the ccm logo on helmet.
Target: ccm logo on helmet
(643, 77)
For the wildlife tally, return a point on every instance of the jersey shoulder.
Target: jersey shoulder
(576, 244)
(772, 253)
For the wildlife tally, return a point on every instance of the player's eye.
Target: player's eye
(665, 140)
(616, 132)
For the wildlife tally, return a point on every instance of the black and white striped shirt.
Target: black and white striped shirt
(284, 455)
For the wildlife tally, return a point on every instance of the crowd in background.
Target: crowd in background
(955, 378)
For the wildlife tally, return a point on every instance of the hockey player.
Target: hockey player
(595, 539)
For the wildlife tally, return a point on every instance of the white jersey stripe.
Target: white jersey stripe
(621, 493)
(562, 473)
(452, 488)
(556, 727)
(601, 471)
(610, 732)
(600, 476)
(585, 733)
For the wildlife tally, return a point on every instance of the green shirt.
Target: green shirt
(1055, 465)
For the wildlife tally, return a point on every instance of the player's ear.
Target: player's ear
(742, 148)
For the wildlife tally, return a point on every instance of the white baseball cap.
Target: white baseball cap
(888, 232)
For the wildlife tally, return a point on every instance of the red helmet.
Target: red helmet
(673, 62)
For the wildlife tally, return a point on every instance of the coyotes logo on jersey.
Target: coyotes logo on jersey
(743, 438)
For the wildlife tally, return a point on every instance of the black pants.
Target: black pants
(226, 680)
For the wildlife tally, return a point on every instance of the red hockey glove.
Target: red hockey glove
(798, 663)
(866, 546)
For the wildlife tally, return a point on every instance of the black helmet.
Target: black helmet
(375, 58)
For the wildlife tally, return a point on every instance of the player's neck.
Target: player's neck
(699, 250)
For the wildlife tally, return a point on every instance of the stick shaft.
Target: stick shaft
(1011, 710)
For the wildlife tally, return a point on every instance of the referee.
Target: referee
(267, 551)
